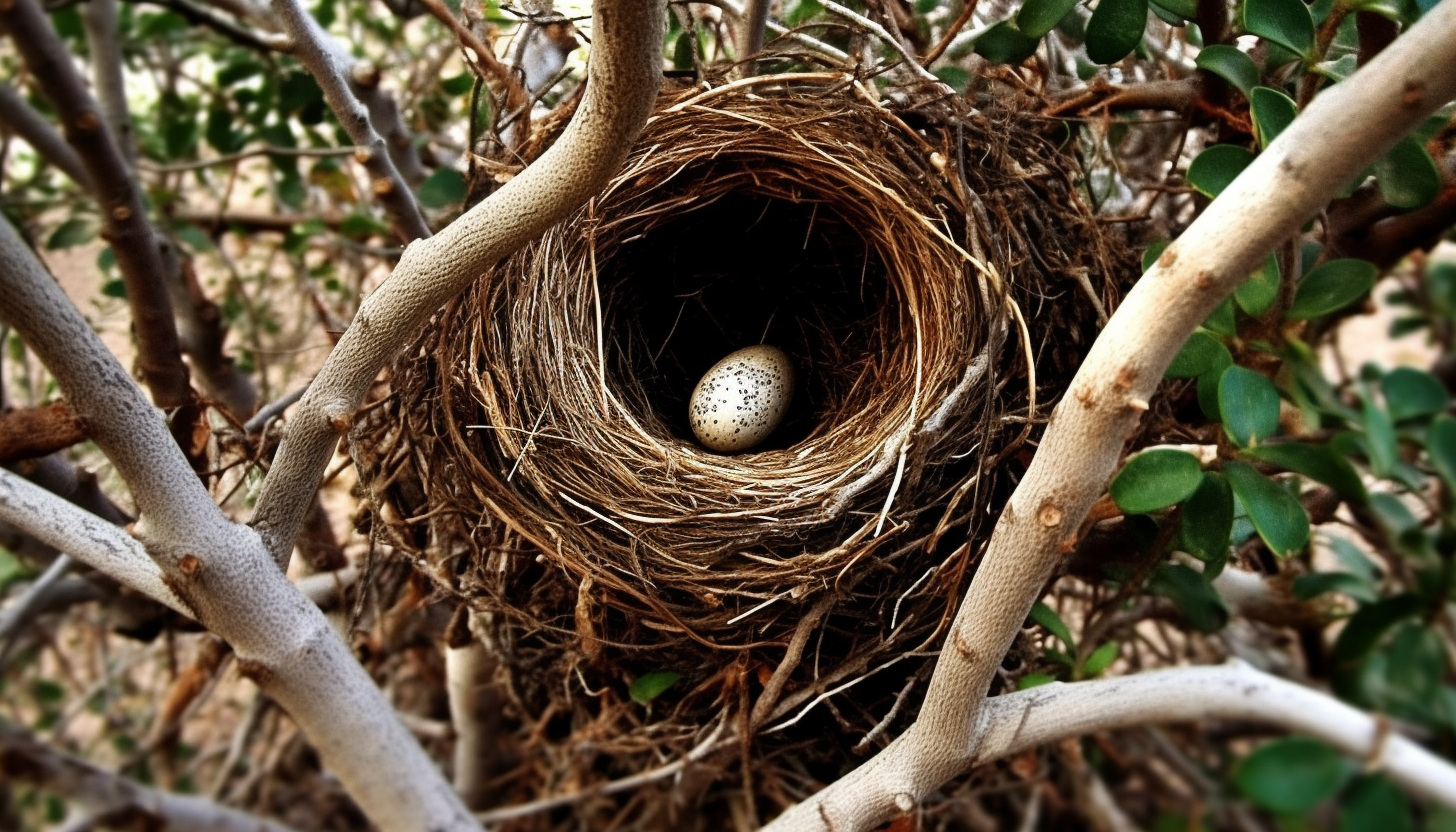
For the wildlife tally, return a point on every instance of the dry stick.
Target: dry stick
(945, 40)
(100, 20)
(38, 431)
(623, 79)
(1344, 129)
(19, 118)
(95, 542)
(1234, 691)
(124, 216)
(754, 22)
(26, 759)
(209, 567)
(321, 55)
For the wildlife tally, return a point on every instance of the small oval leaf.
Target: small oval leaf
(1292, 775)
(1005, 44)
(1441, 445)
(1408, 176)
(1249, 405)
(1273, 111)
(1216, 167)
(1230, 64)
(1317, 462)
(1116, 28)
(1278, 518)
(1410, 393)
(1201, 353)
(1154, 480)
(1285, 22)
(1259, 292)
(1331, 287)
(1037, 17)
(1208, 519)
(651, 685)
(444, 187)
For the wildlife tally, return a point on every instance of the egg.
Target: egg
(742, 398)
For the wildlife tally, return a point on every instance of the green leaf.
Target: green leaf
(1005, 44)
(443, 188)
(222, 130)
(1048, 619)
(1292, 775)
(1278, 518)
(237, 71)
(1285, 22)
(1181, 9)
(1415, 664)
(1441, 445)
(1365, 629)
(1273, 111)
(1221, 320)
(1249, 405)
(1319, 463)
(1316, 584)
(957, 78)
(1100, 660)
(11, 569)
(1331, 287)
(73, 232)
(1218, 166)
(1408, 176)
(684, 51)
(1208, 519)
(1154, 480)
(1116, 28)
(1410, 393)
(803, 11)
(1037, 17)
(1191, 594)
(1034, 680)
(1200, 354)
(1259, 292)
(458, 84)
(1230, 64)
(1380, 440)
(1154, 250)
(649, 686)
(1373, 802)
(114, 289)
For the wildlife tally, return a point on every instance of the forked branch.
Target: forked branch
(1235, 691)
(622, 83)
(1344, 130)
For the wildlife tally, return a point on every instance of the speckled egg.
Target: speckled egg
(740, 401)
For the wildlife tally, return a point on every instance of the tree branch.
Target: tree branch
(106, 548)
(219, 570)
(321, 55)
(1343, 130)
(624, 76)
(37, 431)
(122, 211)
(1028, 719)
(122, 802)
(21, 119)
(100, 20)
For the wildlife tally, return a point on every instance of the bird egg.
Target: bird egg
(740, 401)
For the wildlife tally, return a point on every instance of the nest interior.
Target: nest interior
(933, 276)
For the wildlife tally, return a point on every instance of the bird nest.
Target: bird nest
(934, 278)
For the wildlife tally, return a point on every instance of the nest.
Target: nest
(934, 278)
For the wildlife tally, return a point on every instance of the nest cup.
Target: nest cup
(929, 271)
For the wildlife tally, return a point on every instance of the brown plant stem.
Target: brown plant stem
(38, 431)
(125, 225)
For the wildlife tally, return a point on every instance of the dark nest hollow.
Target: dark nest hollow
(934, 278)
